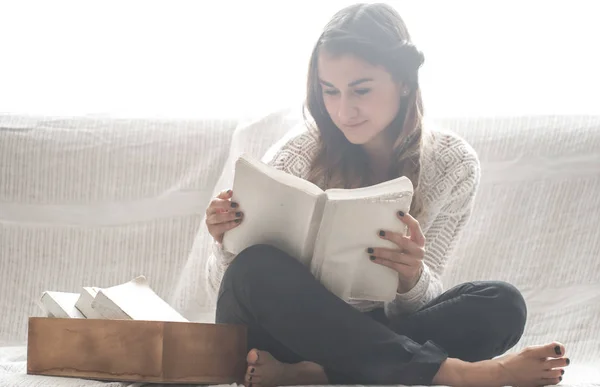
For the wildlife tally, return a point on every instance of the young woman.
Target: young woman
(366, 109)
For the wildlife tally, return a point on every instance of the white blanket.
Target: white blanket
(81, 196)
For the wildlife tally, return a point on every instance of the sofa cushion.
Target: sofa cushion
(97, 202)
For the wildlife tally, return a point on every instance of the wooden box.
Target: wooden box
(137, 351)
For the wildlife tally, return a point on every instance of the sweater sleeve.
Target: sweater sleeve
(293, 157)
(441, 237)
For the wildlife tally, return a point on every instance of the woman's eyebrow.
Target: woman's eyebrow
(353, 83)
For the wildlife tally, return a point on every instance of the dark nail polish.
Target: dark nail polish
(557, 350)
(562, 372)
(568, 361)
(560, 378)
(238, 214)
(237, 220)
(228, 192)
(381, 233)
(372, 257)
(370, 250)
(400, 213)
(250, 379)
(252, 370)
(234, 204)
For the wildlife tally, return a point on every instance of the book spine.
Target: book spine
(315, 226)
(337, 284)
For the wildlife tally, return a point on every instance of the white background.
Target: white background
(229, 58)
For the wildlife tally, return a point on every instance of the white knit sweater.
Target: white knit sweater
(449, 179)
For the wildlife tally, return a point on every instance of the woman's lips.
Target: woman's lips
(352, 126)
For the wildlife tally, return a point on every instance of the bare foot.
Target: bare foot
(534, 366)
(265, 371)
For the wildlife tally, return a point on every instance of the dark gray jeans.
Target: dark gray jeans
(294, 317)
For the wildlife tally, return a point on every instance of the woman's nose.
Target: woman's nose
(347, 109)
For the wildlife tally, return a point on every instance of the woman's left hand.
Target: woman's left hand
(407, 260)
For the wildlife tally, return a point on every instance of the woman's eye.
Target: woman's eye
(330, 92)
(362, 91)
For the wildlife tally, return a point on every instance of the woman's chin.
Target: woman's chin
(357, 138)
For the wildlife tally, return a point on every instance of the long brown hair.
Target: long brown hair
(376, 34)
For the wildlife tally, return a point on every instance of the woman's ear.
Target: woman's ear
(402, 88)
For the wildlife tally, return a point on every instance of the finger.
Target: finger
(399, 267)
(393, 255)
(404, 243)
(223, 217)
(222, 228)
(220, 205)
(414, 228)
(225, 194)
(405, 269)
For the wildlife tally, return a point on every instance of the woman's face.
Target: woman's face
(361, 99)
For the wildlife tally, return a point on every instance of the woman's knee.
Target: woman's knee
(509, 308)
(254, 262)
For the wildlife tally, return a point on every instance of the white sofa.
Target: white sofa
(94, 201)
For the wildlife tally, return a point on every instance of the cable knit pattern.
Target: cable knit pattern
(450, 174)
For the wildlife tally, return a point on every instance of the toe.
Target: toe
(253, 357)
(553, 374)
(552, 350)
(556, 363)
(552, 381)
(251, 378)
(555, 349)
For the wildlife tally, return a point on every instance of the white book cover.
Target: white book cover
(134, 300)
(60, 304)
(328, 231)
(279, 209)
(351, 223)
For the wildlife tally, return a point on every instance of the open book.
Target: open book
(133, 300)
(328, 231)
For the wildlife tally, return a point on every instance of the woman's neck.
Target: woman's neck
(379, 152)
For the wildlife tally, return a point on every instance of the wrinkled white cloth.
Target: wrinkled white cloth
(130, 196)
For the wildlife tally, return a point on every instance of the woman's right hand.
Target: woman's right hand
(222, 215)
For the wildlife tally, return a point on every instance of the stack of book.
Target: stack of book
(128, 333)
(133, 300)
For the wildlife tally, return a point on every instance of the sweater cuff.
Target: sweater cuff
(223, 257)
(415, 295)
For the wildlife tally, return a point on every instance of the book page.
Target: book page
(279, 209)
(351, 222)
(84, 303)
